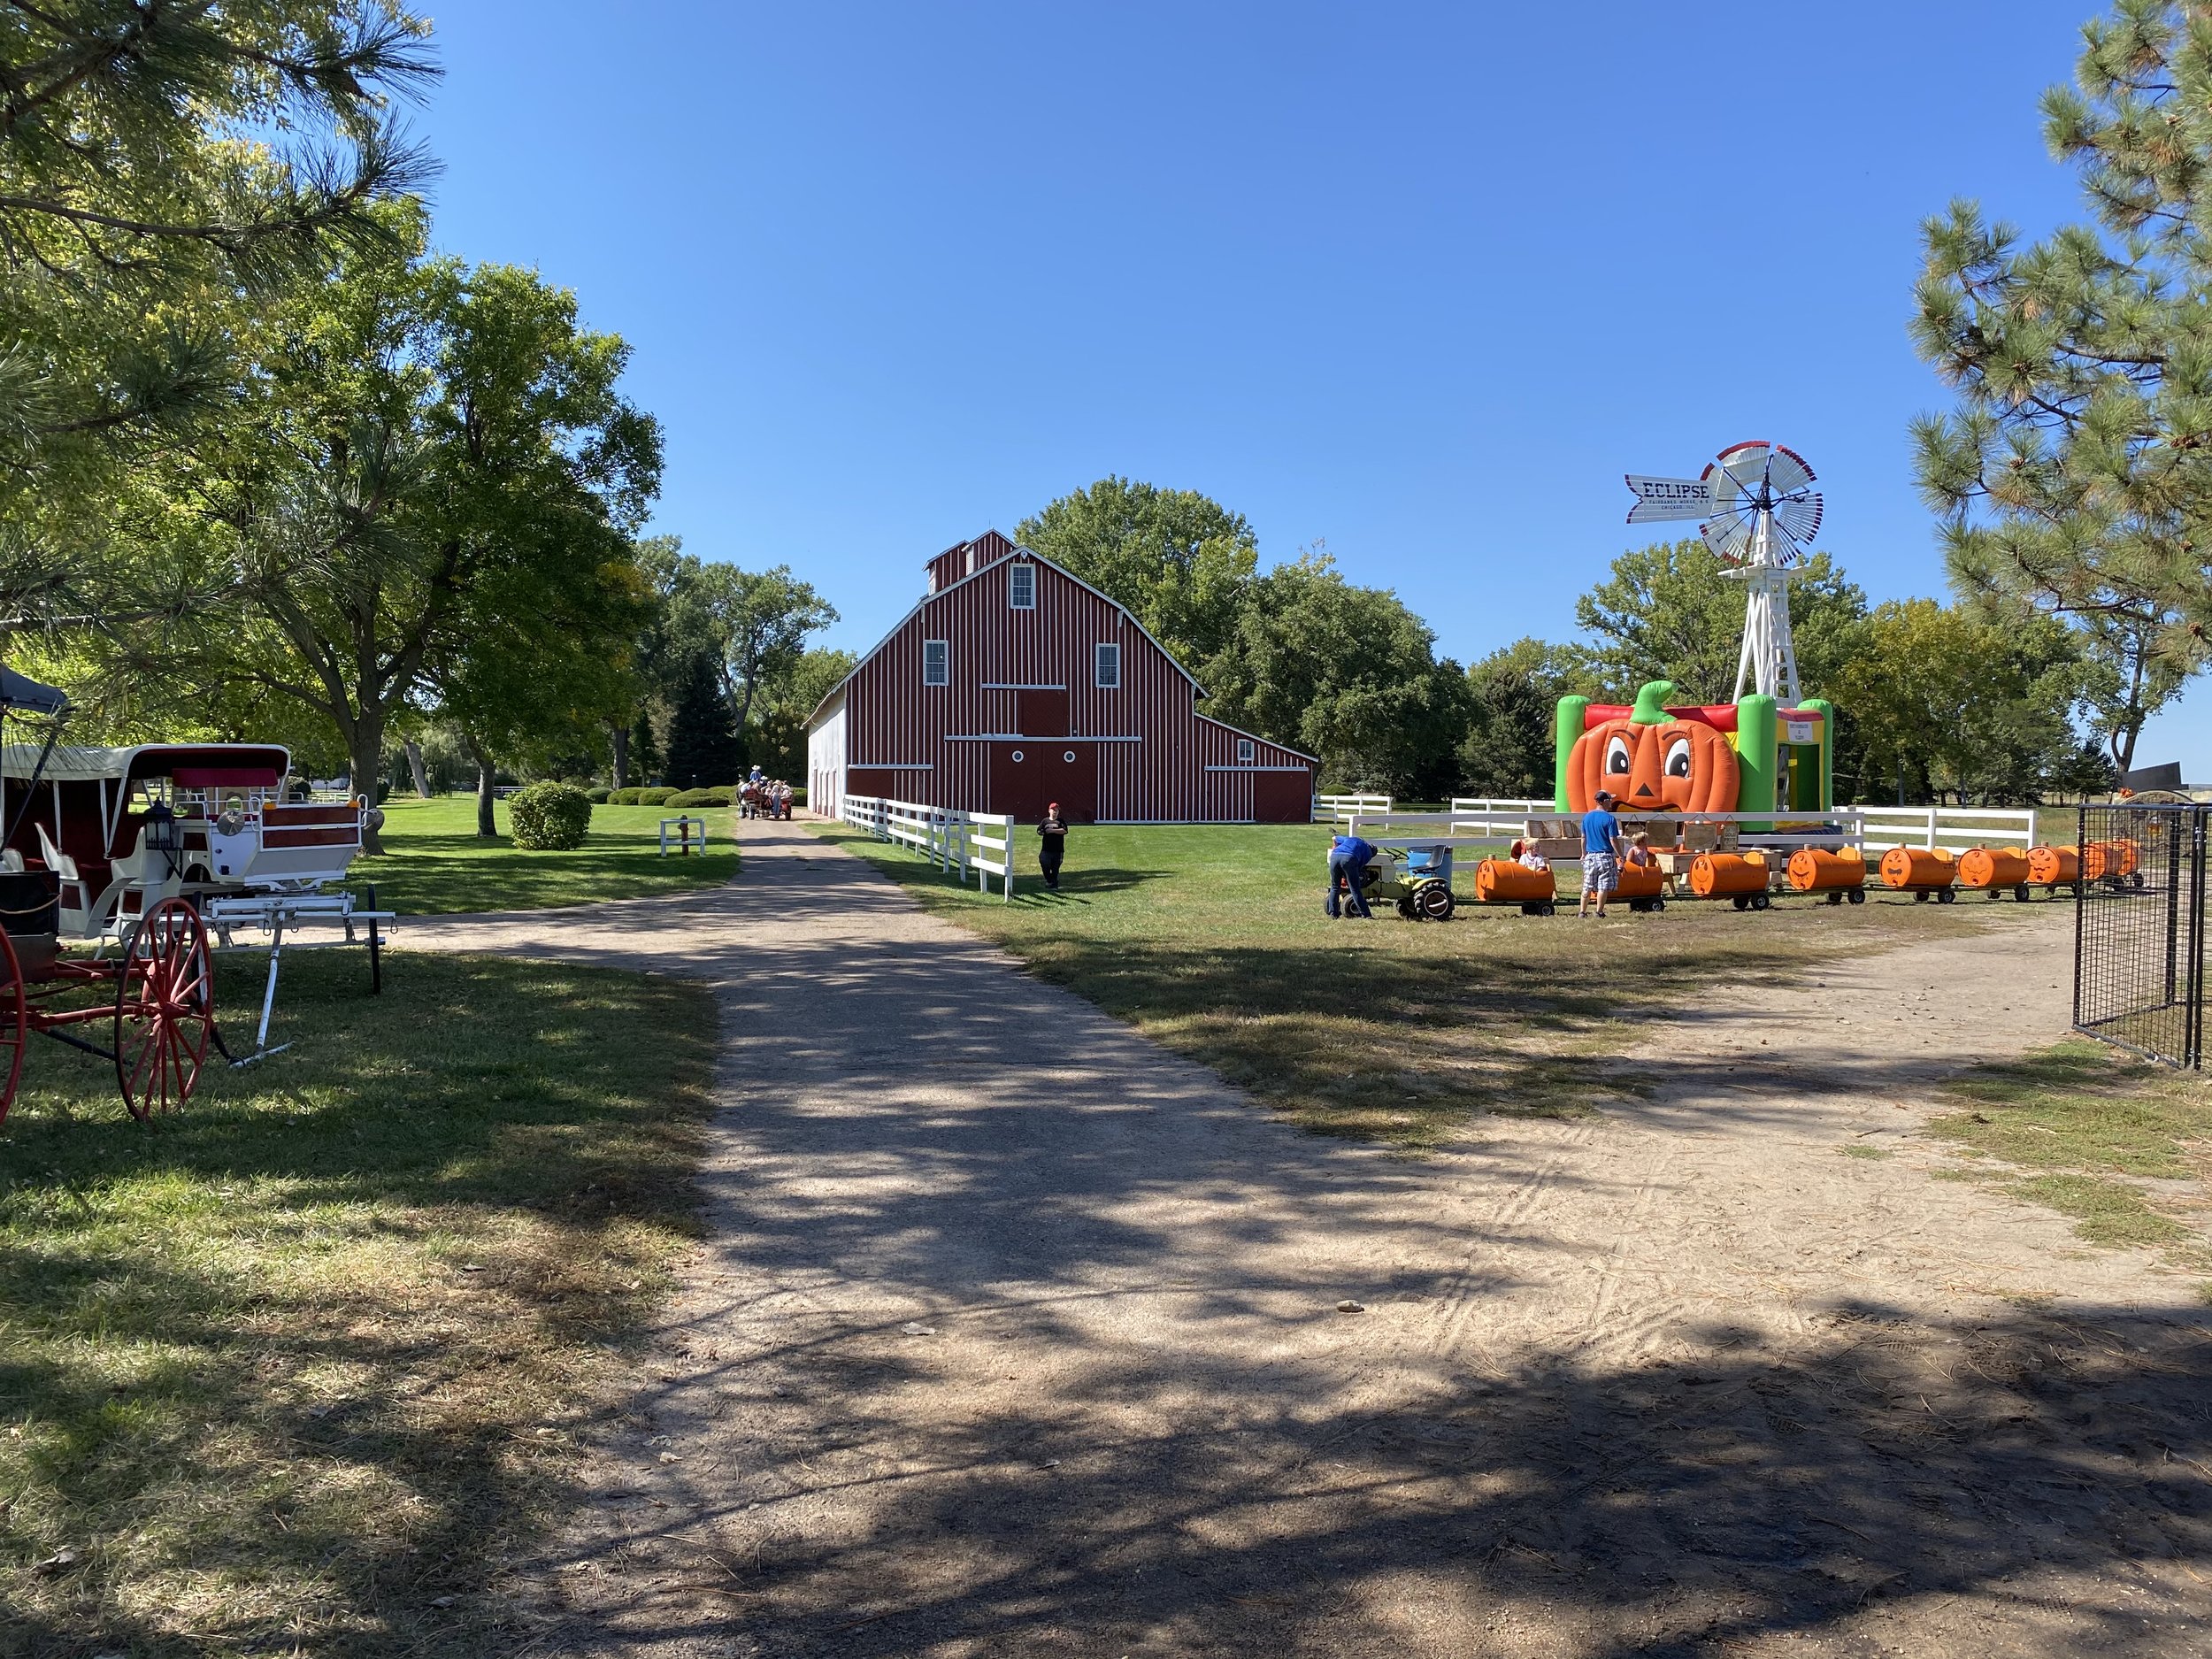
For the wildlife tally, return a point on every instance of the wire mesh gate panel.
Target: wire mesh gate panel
(2139, 929)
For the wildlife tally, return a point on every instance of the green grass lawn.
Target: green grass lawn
(435, 865)
(2085, 1129)
(1212, 940)
(293, 1370)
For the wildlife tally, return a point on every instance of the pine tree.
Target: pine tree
(2076, 474)
(703, 746)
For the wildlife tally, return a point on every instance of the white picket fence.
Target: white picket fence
(1334, 808)
(954, 840)
(1957, 827)
(1501, 813)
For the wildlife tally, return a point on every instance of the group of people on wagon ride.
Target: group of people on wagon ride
(760, 796)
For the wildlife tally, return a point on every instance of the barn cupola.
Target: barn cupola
(963, 559)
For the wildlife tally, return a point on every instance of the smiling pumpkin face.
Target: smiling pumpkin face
(1683, 765)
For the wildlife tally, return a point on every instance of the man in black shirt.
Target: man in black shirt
(1052, 845)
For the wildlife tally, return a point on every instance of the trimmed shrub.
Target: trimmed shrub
(549, 817)
(598, 794)
(654, 797)
(683, 800)
(626, 796)
(721, 794)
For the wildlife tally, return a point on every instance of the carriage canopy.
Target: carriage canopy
(187, 766)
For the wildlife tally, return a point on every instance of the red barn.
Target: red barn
(1012, 684)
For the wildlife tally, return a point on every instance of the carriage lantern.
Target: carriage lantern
(162, 834)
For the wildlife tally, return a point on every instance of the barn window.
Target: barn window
(936, 662)
(1108, 665)
(1021, 587)
(1246, 752)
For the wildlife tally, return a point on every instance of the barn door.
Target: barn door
(1041, 713)
(1282, 797)
(1071, 774)
(1017, 781)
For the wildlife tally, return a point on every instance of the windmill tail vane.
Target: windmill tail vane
(1758, 511)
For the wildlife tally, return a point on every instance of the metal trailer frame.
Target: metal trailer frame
(276, 914)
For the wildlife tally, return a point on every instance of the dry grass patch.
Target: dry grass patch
(299, 1368)
(2097, 1135)
(1212, 940)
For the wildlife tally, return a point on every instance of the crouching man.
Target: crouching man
(1349, 858)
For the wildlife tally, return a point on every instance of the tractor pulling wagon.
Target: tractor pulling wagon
(114, 863)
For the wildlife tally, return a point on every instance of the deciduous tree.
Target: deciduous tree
(1181, 562)
(763, 618)
(1668, 613)
(1347, 673)
(422, 435)
(1950, 702)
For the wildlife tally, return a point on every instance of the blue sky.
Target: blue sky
(1420, 283)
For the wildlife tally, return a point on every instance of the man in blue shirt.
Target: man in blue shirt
(1601, 854)
(1349, 858)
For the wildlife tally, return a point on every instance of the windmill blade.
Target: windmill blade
(1799, 515)
(1788, 471)
(1728, 535)
(1745, 465)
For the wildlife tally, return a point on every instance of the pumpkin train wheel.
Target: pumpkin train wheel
(1836, 896)
(1856, 896)
(1740, 902)
(1920, 897)
(1947, 897)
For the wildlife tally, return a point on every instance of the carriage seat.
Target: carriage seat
(66, 867)
(152, 873)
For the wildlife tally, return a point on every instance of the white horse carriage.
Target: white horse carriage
(124, 828)
(217, 832)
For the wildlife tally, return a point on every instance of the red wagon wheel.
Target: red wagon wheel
(165, 1007)
(14, 1024)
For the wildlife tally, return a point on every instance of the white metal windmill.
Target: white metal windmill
(1760, 510)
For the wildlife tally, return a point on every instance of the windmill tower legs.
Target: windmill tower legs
(1768, 662)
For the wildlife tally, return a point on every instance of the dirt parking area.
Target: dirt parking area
(1013, 1333)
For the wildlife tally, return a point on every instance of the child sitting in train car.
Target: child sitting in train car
(1525, 854)
(1640, 853)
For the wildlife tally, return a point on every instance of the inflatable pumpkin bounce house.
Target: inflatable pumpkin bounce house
(1749, 756)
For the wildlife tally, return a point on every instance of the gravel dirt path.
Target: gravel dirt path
(1015, 1335)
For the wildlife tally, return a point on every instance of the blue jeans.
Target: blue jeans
(1344, 867)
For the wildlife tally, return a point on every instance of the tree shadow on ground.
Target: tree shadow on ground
(2044, 1474)
(1151, 1437)
(255, 1390)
